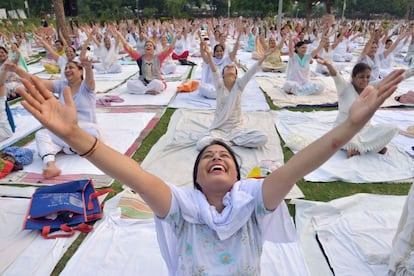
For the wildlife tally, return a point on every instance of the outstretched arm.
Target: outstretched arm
(236, 45)
(22, 73)
(315, 52)
(367, 46)
(62, 120)
(3, 76)
(328, 64)
(48, 47)
(207, 56)
(279, 182)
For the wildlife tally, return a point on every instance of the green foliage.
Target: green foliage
(149, 12)
(175, 7)
(121, 9)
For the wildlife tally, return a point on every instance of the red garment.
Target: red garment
(184, 55)
(5, 167)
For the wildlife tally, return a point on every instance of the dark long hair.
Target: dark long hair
(197, 162)
(298, 44)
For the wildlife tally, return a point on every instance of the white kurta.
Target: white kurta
(298, 77)
(195, 238)
(371, 138)
(227, 124)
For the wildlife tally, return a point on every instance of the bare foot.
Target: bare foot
(350, 153)
(383, 151)
(51, 170)
(152, 92)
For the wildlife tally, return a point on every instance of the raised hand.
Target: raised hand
(58, 118)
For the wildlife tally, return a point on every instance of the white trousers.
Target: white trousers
(207, 90)
(292, 87)
(138, 87)
(48, 144)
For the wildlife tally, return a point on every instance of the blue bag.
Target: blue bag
(67, 206)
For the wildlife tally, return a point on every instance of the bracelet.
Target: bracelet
(91, 150)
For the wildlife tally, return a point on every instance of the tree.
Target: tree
(61, 26)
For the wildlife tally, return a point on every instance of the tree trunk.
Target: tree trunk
(329, 7)
(309, 8)
(61, 21)
(409, 11)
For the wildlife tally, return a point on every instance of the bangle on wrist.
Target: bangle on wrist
(91, 150)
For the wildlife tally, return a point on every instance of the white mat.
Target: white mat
(25, 124)
(395, 165)
(105, 86)
(181, 73)
(134, 244)
(273, 88)
(25, 252)
(173, 156)
(132, 99)
(120, 131)
(35, 68)
(127, 72)
(356, 232)
(253, 99)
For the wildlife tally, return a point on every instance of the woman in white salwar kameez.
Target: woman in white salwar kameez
(389, 49)
(228, 117)
(371, 138)
(207, 86)
(371, 57)
(218, 228)
(108, 56)
(298, 80)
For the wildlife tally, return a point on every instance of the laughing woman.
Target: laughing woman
(79, 78)
(150, 80)
(218, 228)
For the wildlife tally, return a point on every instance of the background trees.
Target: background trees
(114, 9)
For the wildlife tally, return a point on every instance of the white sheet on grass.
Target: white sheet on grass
(173, 156)
(396, 164)
(273, 88)
(356, 233)
(133, 99)
(25, 124)
(105, 86)
(127, 72)
(253, 99)
(120, 131)
(35, 68)
(180, 74)
(133, 243)
(25, 252)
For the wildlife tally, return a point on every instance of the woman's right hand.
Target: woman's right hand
(45, 107)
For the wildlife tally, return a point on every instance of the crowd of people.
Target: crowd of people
(66, 107)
